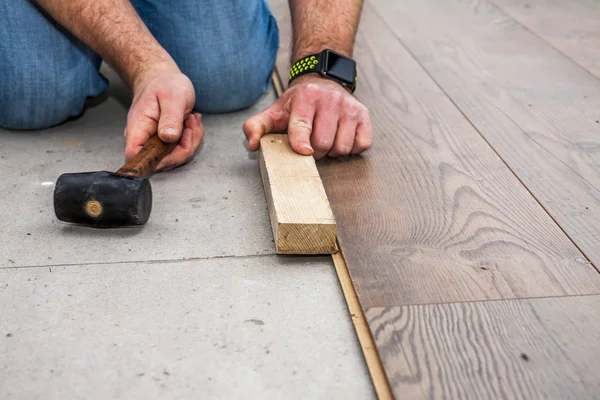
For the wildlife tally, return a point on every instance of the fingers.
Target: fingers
(354, 134)
(173, 112)
(344, 138)
(364, 136)
(326, 125)
(142, 122)
(300, 127)
(190, 141)
(272, 119)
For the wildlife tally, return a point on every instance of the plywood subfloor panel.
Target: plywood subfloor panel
(537, 109)
(431, 214)
(571, 26)
(518, 349)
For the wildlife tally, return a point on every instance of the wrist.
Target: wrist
(316, 78)
(307, 50)
(149, 69)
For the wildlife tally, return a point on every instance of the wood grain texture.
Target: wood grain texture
(431, 214)
(538, 110)
(519, 349)
(301, 217)
(380, 382)
(573, 27)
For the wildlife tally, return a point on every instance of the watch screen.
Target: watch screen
(340, 67)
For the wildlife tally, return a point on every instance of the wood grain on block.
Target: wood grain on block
(301, 217)
(519, 349)
(536, 108)
(431, 214)
(572, 27)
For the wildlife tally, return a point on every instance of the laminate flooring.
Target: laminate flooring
(471, 229)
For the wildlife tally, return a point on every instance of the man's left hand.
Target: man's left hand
(321, 117)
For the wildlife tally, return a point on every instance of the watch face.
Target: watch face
(340, 67)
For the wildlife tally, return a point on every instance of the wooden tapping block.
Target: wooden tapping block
(300, 214)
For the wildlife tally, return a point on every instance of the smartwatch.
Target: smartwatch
(328, 64)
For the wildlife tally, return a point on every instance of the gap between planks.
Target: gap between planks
(378, 376)
(374, 364)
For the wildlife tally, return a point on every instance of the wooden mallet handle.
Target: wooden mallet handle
(147, 158)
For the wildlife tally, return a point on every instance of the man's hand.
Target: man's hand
(163, 102)
(163, 96)
(321, 117)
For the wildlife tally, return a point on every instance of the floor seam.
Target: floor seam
(434, 303)
(541, 38)
(142, 261)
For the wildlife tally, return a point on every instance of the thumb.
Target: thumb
(172, 114)
(271, 119)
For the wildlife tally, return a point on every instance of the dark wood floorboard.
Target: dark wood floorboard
(518, 349)
(431, 214)
(571, 26)
(538, 109)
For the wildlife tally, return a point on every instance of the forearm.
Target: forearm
(321, 24)
(113, 29)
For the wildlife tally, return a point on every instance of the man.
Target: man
(182, 58)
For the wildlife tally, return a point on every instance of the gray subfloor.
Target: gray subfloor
(194, 305)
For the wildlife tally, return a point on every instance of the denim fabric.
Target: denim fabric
(226, 47)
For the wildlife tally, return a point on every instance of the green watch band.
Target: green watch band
(328, 64)
(306, 65)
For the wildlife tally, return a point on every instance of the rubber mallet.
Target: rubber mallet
(111, 199)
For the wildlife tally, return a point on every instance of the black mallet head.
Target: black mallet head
(102, 199)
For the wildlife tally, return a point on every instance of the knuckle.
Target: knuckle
(343, 149)
(189, 152)
(337, 97)
(323, 144)
(363, 144)
(335, 152)
(312, 89)
(301, 123)
(129, 153)
(352, 111)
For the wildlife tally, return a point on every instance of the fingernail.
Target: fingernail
(307, 147)
(169, 131)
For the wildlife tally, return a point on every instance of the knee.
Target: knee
(38, 98)
(233, 77)
(234, 86)
(37, 107)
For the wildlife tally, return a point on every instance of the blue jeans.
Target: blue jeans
(226, 47)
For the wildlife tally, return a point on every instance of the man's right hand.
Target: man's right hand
(163, 100)
(163, 97)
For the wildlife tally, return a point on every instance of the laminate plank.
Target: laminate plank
(571, 26)
(518, 349)
(538, 110)
(431, 214)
